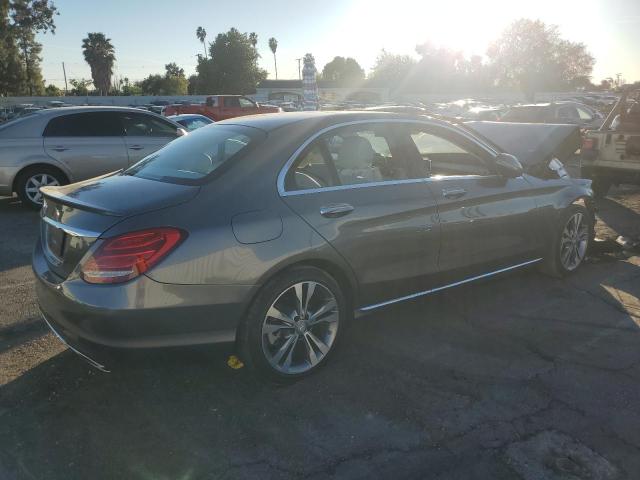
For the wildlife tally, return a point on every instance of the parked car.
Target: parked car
(272, 231)
(191, 121)
(68, 144)
(611, 154)
(556, 112)
(221, 107)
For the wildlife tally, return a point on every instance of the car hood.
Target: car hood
(532, 143)
(120, 195)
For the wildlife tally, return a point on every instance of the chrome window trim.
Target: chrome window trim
(283, 171)
(73, 231)
(444, 287)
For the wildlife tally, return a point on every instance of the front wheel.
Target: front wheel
(294, 324)
(571, 241)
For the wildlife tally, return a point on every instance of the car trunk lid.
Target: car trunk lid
(75, 216)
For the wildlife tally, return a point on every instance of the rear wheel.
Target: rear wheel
(294, 324)
(29, 182)
(571, 241)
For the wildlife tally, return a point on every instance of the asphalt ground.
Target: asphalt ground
(520, 377)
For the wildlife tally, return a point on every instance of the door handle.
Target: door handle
(336, 210)
(60, 148)
(136, 147)
(453, 192)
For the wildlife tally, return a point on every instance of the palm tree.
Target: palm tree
(201, 33)
(100, 55)
(273, 45)
(253, 38)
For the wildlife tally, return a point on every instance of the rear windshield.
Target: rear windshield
(196, 156)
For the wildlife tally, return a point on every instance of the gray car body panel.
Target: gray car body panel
(242, 232)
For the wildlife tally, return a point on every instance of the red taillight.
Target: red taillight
(589, 143)
(126, 256)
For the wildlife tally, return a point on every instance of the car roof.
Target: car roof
(53, 112)
(33, 124)
(273, 121)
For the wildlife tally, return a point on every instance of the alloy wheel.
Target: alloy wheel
(574, 241)
(33, 184)
(300, 327)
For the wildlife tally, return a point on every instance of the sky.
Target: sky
(147, 34)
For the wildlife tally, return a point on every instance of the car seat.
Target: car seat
(355, 161)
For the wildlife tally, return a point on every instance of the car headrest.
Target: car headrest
(355, 152)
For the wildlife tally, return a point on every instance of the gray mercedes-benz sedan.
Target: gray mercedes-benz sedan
(273, 231)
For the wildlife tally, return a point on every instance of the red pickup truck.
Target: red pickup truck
(221, 107)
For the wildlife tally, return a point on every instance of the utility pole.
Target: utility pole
(65, 79)
(299, 74)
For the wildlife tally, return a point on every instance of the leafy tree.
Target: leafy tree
(52, 91)
(192, 88)
(21, 21)
(80, 87)
(273, 45)
(173, 70)
(253, 38)
(172, 83)
(129, 88)
(232, 66)
(100, 55)
(343, 71)
(392, 71)
(201, 34)
(532, 56)
(443, 70)
(12, 74)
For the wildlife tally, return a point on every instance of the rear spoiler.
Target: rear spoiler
(64, 195)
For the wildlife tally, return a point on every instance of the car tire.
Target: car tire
(600, 187)
(571, 242)
(29, 179)
(289, 334)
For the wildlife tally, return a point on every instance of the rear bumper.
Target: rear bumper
(95, 319)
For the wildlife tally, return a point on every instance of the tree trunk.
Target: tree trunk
(275, 63)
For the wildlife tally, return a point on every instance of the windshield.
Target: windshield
(192, 158)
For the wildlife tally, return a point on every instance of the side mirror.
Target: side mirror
(508, 166)
(181, 132)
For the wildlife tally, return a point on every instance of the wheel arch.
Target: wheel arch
(33, 166)
(341, 273)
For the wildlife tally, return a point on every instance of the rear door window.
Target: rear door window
(192, 158)
(89, 124)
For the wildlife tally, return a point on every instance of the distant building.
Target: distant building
(329, 92)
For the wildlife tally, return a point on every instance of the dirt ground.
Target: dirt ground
(521, 377)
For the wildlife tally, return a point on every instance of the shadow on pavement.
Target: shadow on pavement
(439, 387)
(18, 233)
